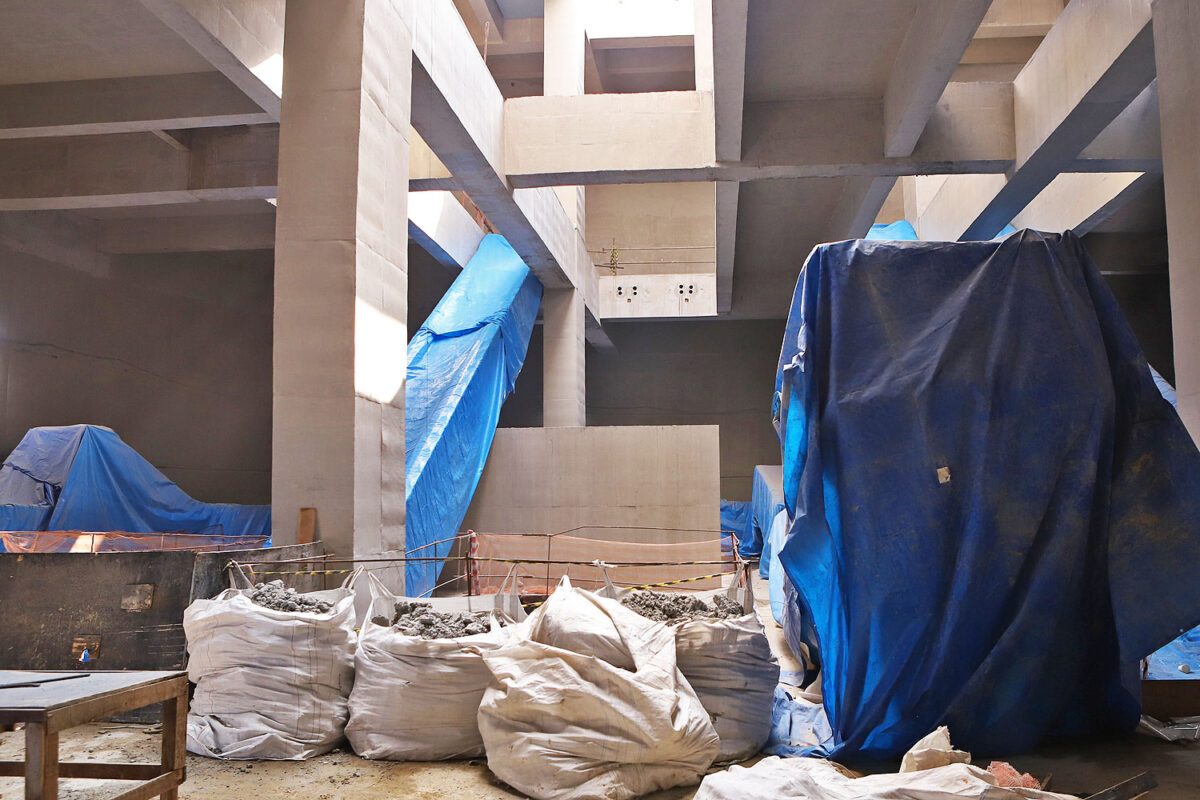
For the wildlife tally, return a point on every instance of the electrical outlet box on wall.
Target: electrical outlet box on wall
(658, 296)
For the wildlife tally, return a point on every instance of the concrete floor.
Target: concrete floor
(1079, 768)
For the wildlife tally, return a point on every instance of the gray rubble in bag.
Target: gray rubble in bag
(277, 597)
(673, 606)
(420, 620)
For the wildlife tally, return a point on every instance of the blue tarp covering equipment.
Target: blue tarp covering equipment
(900, 231)
(735, 516)
(988, 493)
(83, 477)
(462, 364)
(766, 500)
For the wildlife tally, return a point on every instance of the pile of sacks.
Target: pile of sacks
(584, 699)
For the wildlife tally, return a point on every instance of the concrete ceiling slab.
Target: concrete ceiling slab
(521, 9)
(812, 48)
(68, 40)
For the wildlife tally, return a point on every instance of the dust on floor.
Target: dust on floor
(1076, 768)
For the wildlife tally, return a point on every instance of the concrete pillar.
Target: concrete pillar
(564, 387)
(563, 66)
(1176, 31)
(341, 275)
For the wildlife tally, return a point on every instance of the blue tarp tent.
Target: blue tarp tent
(766, 500)
(462, 364)
(83, 477)
(735, 515)
(903, 231)
(988, 493)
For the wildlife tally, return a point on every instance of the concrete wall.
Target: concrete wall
(171, 351)
(678, 373)
(550, 480)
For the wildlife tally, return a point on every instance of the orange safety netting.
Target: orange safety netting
(120, 541)
(664, 562)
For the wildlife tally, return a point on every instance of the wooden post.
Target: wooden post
(306, 527)
(41, 762)
(174, 741)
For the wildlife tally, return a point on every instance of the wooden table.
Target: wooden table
(51, 702)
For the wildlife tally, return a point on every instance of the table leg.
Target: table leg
(41, 762)
(174, 742)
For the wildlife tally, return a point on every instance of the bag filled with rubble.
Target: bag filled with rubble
(587, 703)
(419, 676)
(272, 670)
(723, 651)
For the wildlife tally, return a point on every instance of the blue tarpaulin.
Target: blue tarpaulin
(83, 477)
(766, 500)
(735, 515)
(462, 364)
(995, 513)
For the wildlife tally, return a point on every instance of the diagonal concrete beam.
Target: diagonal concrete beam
(124, 105)
(243, 39)
(443, 228)
(1080, 201)
(934, 44)
(132, 169)
(1094, 62)
(1131, 143)
(458, 109)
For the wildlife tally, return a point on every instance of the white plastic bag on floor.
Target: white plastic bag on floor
(417, 699)
(824, 780)
(564, 724)
(269, 684)
(729, 664)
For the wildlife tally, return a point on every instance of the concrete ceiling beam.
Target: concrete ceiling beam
(243, 39)
(136, 169)
(1016, 18)
(669, 137)
(1094, 62)
(443, 228)
(124, 105)
(858, 207)
(189, 234)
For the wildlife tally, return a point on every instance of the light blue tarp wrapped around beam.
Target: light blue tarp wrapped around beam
(903, 231)
(462, 364)
(83, 477)
(995, 513)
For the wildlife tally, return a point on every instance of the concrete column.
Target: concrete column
(341, 275)
(563, 75)
(1176, 31)
(564, 386)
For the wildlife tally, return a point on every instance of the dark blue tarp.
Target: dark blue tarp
(766, 500)
(995, 513)
(462, 364)
(83, 477)
(735, 515)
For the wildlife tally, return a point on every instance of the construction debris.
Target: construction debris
(277, 597)
(674, 606)
(420, 620)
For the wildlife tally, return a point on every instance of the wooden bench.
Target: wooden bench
(51, 702)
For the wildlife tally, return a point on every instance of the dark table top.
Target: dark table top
(53, 694)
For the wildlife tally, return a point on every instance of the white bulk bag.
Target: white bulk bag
(269, 684)
(417, 699)
(560, 724)
(729, 664)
